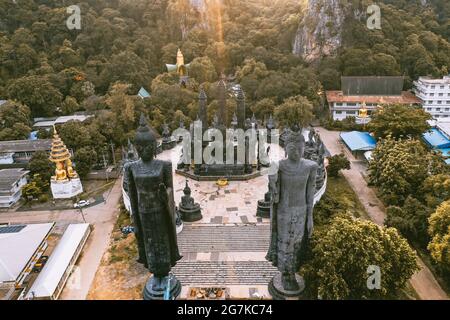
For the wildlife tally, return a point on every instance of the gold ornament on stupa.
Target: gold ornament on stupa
(60, 155)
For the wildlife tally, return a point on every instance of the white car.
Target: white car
(81, 204)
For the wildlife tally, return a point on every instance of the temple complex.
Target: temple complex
(237, 170)
(65, 184)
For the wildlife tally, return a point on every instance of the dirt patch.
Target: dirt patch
(119, 276)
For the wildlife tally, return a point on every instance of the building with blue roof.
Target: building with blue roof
(446, 154)
(435, 139)
(358, 142)
(143, 94)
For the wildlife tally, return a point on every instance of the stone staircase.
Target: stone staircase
(227, 256)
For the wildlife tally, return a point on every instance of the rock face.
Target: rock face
(319, 32)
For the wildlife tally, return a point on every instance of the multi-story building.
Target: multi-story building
(434, 95)
(11, 183)
(368, 92)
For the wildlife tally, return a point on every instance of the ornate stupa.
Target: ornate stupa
(180, 68)
(65, 183)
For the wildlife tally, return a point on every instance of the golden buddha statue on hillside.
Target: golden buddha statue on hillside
(179, 67)
(65, 183)
(59, 155)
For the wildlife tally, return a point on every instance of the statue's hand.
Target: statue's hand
(275, 197)
(310, 226)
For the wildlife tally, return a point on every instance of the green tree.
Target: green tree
(342, 253)
(439, 231)
(41, 166)
(75, 135)
(436, 189)
(410, 220)
(37, 93)
(398, 168)
(31, 191)
(14, 121)
(263, 108)
(336, 163)
(399, 121)
(84, 159)
(294, 110)
(69, 105)
(203, 70)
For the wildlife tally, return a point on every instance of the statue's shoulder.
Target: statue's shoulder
(129, 166)
(312, 165)
(163, 163)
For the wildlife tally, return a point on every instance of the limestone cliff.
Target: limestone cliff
(319, 32)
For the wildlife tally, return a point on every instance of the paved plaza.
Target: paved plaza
(227, 247)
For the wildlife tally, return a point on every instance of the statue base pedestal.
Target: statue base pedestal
(66, 189)
(151, 294)
(191, 215)
(263, 209)
(277, 291)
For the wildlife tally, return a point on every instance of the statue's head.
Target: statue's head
(59, 165)
(295, 145)
(145, 141)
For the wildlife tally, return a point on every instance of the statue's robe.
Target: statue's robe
(295, 188)
(153, 214)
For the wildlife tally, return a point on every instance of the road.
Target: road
(101, 217)
(423, 281)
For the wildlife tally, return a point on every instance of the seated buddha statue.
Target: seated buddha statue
(60, 172)
(70, 171)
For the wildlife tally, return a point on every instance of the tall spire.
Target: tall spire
(202, 109)
(59, 151)
(240, 108)
(222, 90)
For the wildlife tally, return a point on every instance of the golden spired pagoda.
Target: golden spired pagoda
(65, 183)
(179, 67)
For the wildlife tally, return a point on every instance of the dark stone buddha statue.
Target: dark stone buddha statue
(292, 190)
(150, 188)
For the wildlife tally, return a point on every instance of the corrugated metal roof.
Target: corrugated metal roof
(8, 177)
(405, 98)
(436, 139)
(25, 145)
(143, 93)
(358, 141)
(16, 249)
(388, 86)
(58, 262)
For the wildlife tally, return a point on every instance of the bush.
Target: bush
(43, 198)
(336, 163)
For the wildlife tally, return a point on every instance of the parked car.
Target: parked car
(40, 264)
(127, 230)
(81, 204)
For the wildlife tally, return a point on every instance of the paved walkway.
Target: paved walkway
(423, 281)
(227, 247)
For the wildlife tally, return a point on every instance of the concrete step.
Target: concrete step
(238, 238)
(224, 272)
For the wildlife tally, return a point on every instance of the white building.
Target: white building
(21, 246)
(435, 95)
(55, 274)
(11, 183)
(48, 123)
(21, 151)
(371, 91)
